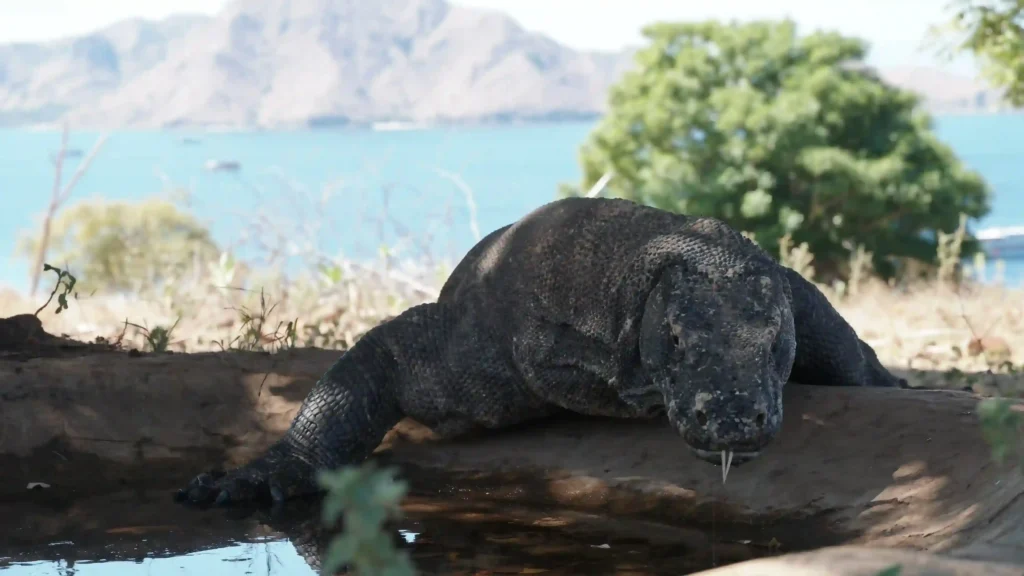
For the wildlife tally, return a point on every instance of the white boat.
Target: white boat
(393, 126)
(223, 165)
(1006, 243)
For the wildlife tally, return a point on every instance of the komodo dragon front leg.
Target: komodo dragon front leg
(828, 351)
(432, 363)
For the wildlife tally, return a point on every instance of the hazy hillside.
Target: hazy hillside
(303, 62)
(330, 62)
(945, 92)
(39, 82)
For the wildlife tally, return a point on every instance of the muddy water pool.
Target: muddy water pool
(145, 533)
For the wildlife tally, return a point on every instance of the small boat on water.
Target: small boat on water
(188, 141)
(223, 165)
(1002, 243)
(69, 153)
(394, 126)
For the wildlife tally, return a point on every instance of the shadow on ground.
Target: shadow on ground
(897, 469)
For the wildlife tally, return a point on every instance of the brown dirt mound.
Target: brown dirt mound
(885, 468)
(863, 561)
(22, 337)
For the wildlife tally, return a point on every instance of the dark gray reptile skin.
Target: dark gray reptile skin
(597, 306)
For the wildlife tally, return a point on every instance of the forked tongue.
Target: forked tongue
(726, 463)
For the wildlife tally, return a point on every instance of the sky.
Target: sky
(895, 28)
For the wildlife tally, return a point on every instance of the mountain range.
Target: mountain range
(315, 63)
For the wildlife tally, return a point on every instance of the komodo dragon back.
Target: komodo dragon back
(596, 306)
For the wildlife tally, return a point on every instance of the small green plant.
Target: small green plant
(364, 498)
(65, 285)
(894, 570)
(157, 339)
(1002, 426)
(253, 336)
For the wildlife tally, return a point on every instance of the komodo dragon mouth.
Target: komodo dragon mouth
(725, 458)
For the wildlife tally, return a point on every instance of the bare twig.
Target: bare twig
(397, 276)
(599, 185)
(44, 239)
(470, 198)
(58, 197)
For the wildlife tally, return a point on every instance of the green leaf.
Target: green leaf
(756, 204)
(894, 570)
(339, 552)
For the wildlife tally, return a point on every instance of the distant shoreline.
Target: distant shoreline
(361, 127)
(392, 125)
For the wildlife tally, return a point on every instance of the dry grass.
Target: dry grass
(324, 311)
(950, 320)
(928, 326)
(931, 326)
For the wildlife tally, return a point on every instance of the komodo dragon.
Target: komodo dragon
(597, 306)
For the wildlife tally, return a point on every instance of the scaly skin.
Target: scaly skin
(596, 306)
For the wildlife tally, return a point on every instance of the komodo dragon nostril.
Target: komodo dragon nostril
(702, 418)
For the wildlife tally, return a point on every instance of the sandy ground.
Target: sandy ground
(903, 469)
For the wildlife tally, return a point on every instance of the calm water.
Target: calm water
(380, 186)
(143, 533)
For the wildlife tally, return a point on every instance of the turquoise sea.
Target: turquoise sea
(359, 190)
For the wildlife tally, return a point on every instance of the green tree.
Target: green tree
(992, 31)
(126, 246)
(779, 134)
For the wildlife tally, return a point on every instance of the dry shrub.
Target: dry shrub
(323, 300)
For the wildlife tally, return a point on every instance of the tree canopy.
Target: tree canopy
(779, 134)
(993, 31)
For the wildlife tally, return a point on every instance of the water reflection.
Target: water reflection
(271, 557)
(144, 533)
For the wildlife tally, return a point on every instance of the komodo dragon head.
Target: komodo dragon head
(719, 346)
